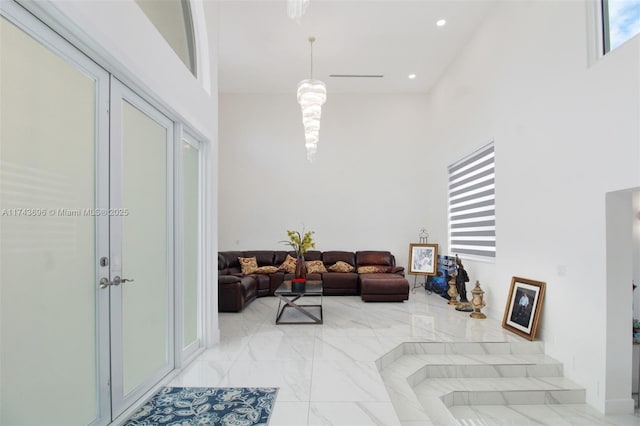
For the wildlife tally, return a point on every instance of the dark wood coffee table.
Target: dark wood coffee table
(289, 298)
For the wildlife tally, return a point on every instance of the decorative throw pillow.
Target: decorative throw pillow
(315, 267)
(289, 264)
(373, 269)
(266, 270)
(341, 266)
(248, 265)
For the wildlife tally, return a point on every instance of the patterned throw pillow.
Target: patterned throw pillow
(341, 266)
(266, 270)
(289, 264)
(315, 267)
(373, 269)
(248, 265)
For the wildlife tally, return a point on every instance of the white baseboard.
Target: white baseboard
(619, 406)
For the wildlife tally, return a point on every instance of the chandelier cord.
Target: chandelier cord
(311, 40)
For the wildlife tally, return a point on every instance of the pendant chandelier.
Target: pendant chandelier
(296, 8)
(311, 95)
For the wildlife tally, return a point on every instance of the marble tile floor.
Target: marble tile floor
(329, 374)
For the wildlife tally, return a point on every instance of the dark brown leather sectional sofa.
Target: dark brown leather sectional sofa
(236, 290)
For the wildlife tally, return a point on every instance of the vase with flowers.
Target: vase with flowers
(300, 243)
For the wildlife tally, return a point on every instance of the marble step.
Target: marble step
(427, 379)
(550, 415)
(438, 396)
(472, 348)
(459, 348)
(448, 371)
(502, 391)
(417, 368)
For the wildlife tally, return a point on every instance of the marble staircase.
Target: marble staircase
(427, 381)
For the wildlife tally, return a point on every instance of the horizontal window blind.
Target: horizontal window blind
(472, 213)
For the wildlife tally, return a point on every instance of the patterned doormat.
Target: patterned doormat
(207, 406)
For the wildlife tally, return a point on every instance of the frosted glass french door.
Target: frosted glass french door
(141, 268)
(86, 234)
(54, 364)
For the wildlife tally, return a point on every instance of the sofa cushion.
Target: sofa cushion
(383, 288)
(266, 270)
(384, 284)
(289, 264)
(230, 259)
(340, 283)
(341, 266)
(248, 265)
(315, 267)
(374, 269)
(263, 257)
(313, 255)
(364, 258)
(280, 255)
(332, 257)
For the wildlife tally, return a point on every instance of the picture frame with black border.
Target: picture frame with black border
(524, 305)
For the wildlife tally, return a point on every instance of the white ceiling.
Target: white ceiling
(263, 51)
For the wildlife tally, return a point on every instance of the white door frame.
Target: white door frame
(187, 354)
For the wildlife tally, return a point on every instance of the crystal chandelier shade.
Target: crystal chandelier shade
(296, 8)
(311, 95)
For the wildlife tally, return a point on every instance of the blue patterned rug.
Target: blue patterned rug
(207, 406)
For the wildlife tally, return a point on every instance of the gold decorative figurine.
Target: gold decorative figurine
(477, 302)
(452, 292)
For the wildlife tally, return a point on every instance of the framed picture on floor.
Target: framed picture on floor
(524, 304)
(423, 259)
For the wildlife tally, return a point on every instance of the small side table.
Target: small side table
(288, 299)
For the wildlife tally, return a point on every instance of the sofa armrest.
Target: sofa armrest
(228, 279)
(235, 292)
(398, 270)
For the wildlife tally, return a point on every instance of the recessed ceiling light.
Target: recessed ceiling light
(441, 22)
(412, 76)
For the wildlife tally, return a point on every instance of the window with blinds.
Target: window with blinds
(472, 213)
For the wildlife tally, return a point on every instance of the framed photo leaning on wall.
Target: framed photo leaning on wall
(423, 259)
(524, 304)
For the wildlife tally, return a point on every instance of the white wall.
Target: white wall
(565, 134)
(364, 190)
(619, 240)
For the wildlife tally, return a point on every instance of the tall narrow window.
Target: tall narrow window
(620, 21)
(191, 245)
(472, 213)
(172, 18)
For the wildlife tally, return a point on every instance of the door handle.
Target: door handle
(104, 282)
(117, 280)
